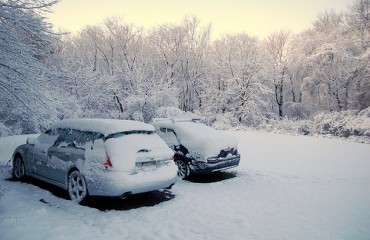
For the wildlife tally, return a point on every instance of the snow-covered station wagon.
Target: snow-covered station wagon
(198, 147)
(98, 157)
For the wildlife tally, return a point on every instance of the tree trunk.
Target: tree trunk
(279, 98)
(339, 104)
(118, 102)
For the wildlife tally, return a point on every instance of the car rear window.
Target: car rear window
(121, 134)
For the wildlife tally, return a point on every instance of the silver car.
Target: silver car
(98, 157)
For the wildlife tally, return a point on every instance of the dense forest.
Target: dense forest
(119, 70)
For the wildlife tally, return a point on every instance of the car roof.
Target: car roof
(104, 126)
(177, 123)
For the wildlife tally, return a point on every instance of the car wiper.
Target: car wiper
(120, 134)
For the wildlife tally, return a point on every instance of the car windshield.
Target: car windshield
(121, 134)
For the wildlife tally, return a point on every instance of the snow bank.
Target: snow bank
(9, 144)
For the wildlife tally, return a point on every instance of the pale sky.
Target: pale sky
(255, 17)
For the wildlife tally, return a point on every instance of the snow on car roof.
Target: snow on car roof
(190, 129)
(177, 119)
(104, 126)
(184, 123)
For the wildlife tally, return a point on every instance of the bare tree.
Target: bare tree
(239, 78)
(193, 63)
(358, 20)
(276, 45)
(167, 41)
(327, 21)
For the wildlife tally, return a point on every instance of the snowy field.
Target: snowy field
(286, 187)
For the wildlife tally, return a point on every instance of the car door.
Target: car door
(169, 137)
(37, 155)
(64, 153)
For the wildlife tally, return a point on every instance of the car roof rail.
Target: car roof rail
(178, 119)
(160, 120)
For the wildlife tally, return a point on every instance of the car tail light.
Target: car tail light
(107, 163)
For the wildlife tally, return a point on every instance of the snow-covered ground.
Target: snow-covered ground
(286, 187)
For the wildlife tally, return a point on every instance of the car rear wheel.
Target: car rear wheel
(19, 170)
(77, 188)
(183, 169)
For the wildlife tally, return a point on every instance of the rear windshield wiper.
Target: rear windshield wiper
(120, 134)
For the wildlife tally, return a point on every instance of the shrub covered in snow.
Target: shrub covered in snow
(285, 125)
(224, 121)
(296, 110)
(347, 124)
(343, 124)
(165, 112)
(4, 130)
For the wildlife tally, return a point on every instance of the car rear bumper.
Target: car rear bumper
(116, 183)
(221, 164)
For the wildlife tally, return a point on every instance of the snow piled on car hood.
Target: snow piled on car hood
(203, 141)
(104, 126)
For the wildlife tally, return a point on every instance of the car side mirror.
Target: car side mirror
(31, 140)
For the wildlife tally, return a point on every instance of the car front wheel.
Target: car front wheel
(19, 170)
(77, 188)
(183, 168)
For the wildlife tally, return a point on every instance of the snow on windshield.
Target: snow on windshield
(104, 126)
(124, 151)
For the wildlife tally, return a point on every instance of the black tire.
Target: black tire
(183, 170)
(77, 188)
(19, 170)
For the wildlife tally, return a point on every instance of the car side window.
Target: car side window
(88, 137)
(169, 136)
(66, 138)
(75, 138)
